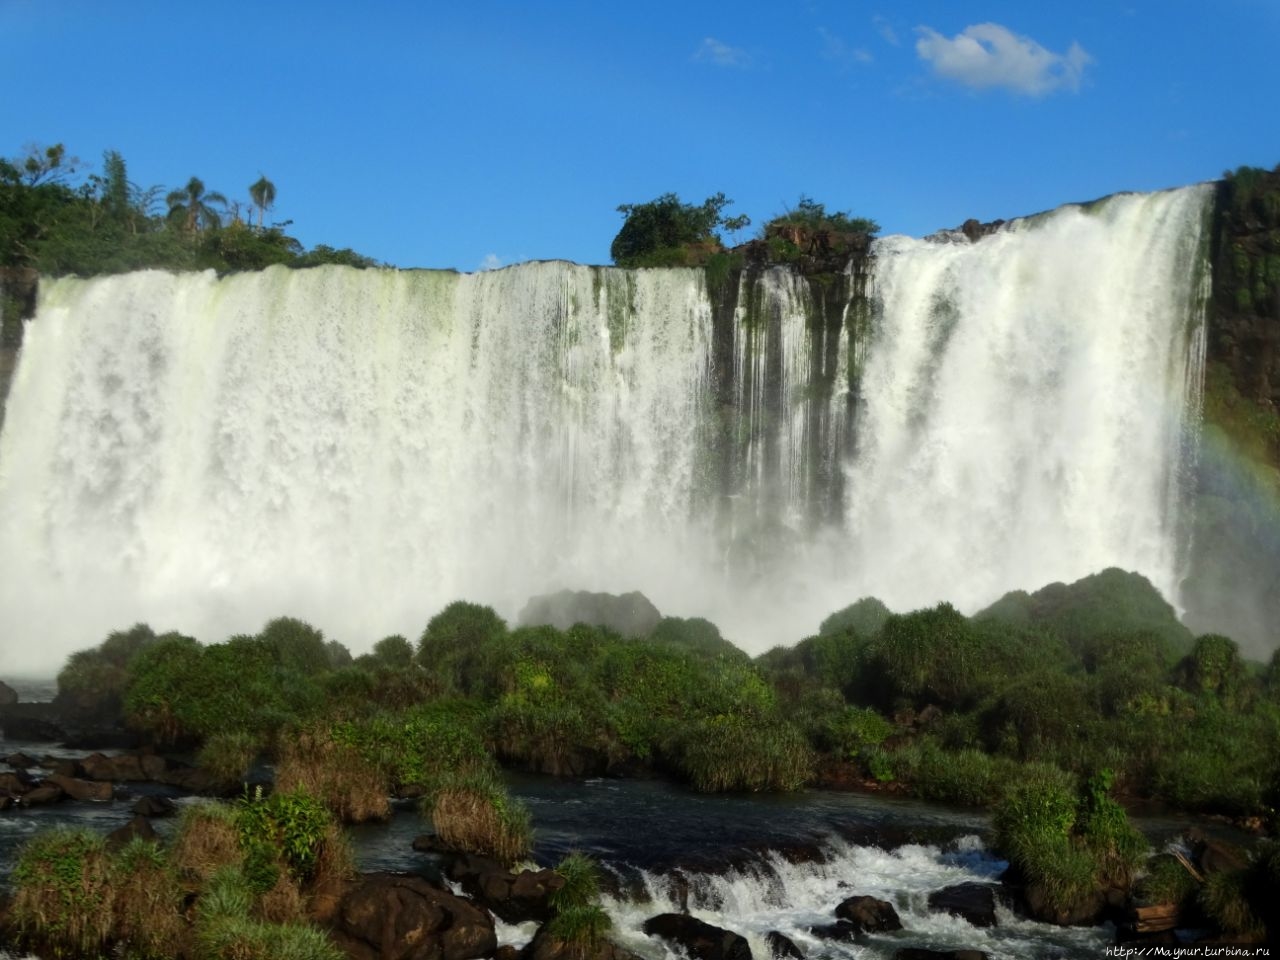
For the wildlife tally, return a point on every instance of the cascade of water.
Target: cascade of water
(773, 894)
(359, 448)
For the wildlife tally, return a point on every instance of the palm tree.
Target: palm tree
(263, 195)
(193, 206)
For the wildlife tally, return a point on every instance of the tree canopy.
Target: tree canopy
(660, 232)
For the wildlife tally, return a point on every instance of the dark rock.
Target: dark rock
(20, 761)
(45, 793)
(869, 914)
(629, 614)
(698, 939)
(384, 916)
(125, 767)
(6, 801)
(82, 790)
(63, 767)
(975, 902)
(514, 897)
(190, 780)
(841, 930)
(137, 827)
(507, 952)
(781, 947)
(154, 807)
(1215, 856)
(8, 695)
(16, 783)
(1084, 912)
(975, 230)
(919, 953)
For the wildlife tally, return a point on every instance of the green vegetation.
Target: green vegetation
(60, 221)
(1069, 844)
(668, 233)
(248, 867)
(577, 917)
(473, 812)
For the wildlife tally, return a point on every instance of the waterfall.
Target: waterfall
(359, 448)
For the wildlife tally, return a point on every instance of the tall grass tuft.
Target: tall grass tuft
(473, 812)
(147, 905)
(729, 752)
(63, 893)
(348, 784)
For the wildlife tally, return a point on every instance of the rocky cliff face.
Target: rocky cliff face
(1244, 327)
(1235, 540)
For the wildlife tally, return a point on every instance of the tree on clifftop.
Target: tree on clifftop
(193, 207)
(663, 231)
(263, 194)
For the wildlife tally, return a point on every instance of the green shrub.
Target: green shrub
(1071, 844)
(927, 657)
(289, 827)
(1166, 881)
(458, 645)
(1214, 668)
(419, 745)
(296, 645)
(657, 233)
(1224, 899)
(63, 893)
(865, 618)
(229, 755)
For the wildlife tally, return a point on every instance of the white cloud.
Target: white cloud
(989, 55)
(491, 261)
(834, 48)
(721, 54)
(885, 29)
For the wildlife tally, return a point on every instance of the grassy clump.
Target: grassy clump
(1225, 900)
(147, 902)
(577, 917)
(63, 893)
(348, 783)
(473, 812)
(229, 755)
(1071, 844)
(739, 752)
(1166, 881)
(207, 841)
(225, 927)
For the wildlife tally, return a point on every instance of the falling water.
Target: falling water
(358, 448)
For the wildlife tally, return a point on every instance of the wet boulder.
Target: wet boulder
(385, 916)
(513, 897)
(700, 940)
(547, 946)
(83, 790)
(16, 783)
(21, 761)
(45, 793)
(8, 695)
(138, 827)
(974, 902)
(150, 806)
(125, 767)
(869, 914)
(781, 947)
(920, 953)
(842, 931)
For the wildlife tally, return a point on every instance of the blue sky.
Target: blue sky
(426, 134)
